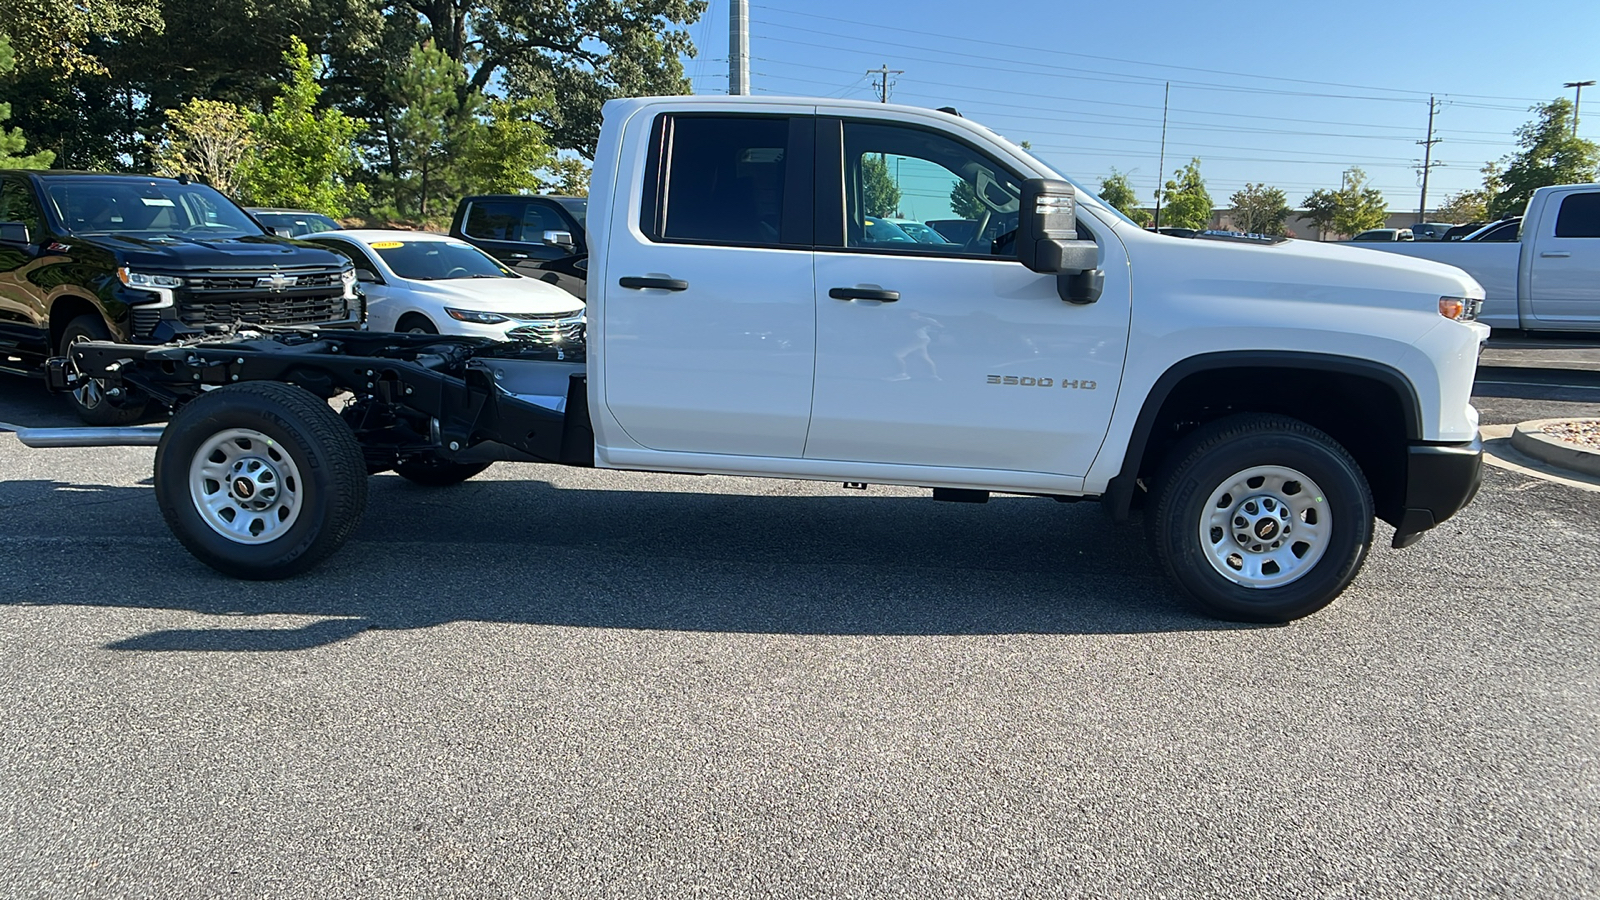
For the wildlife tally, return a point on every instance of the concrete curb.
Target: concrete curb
(1529, 437)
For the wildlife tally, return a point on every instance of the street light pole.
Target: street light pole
(1577, 99)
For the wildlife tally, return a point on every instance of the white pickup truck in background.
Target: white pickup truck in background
(1263, 400)
(1546, 280)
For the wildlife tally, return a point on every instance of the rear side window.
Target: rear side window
(17, 205)
(1579, 216)
(733, 180)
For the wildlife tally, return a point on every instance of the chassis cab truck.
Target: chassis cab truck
(1263, 401)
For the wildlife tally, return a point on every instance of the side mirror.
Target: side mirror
(14, 233)
(562, 239)
(1047, 240)
(366, 276)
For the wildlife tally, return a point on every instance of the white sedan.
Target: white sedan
(435, 284)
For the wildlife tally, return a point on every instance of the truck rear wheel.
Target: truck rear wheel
(93, 405)
(260, 480)
(1261, 518)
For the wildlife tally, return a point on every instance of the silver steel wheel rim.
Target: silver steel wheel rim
(1265, 527)
(89, 394)
(245, 486)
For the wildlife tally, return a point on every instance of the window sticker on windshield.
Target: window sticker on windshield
(386, 245)
(155, 201)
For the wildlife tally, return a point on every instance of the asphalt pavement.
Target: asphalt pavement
(567, 683)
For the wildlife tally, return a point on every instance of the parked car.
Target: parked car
(292, 222)
(1540, 271)
(539, 235)
(956, 231)
(1384, 234)
(1457, 232)
(1503, 231)
(919, 231)
(1430, 231)
(1268, 399)
(435, 284)
(145, 260)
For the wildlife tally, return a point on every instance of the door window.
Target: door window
(17, 205)
(1579, 216)
(727, 180)
(898, 179)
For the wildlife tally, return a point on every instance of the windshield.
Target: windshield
(297, 224)
(577, 207)
(146, 208)
(922, 233)
(438, 260)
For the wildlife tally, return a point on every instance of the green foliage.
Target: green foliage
(882, 195)
(1320, 207)
(1550, 153)
(1359, 206)
(207, 140)
(570, 176)
(12, 143)
(305, 158)
(1187, 203)
(1465, 206)
(502, 150)
(1117, 190)
(1259, 209)
(56, 37)
(424, 132)
(964, 201)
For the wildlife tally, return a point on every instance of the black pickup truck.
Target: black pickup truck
(146, 260)
(542, 236)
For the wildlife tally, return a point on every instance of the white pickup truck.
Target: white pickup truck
(1546, 280)
(1262, 401)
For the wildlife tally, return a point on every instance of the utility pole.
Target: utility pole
(1161, 164)
(883, 72)
(1427, 160)
(739, 47)
(1577, 98)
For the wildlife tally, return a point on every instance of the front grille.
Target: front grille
(250, 281)
(570, 332)
(541, 317)
(263, 297)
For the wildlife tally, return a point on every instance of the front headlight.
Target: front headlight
(1461, 309)
(140, 279)
(476, 317)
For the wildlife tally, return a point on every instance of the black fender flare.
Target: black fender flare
(1118, 497)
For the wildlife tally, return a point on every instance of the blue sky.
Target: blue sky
(1287, 93)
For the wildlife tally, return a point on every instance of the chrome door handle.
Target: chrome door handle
(1555, 254)
(659, 284)
(851, 293)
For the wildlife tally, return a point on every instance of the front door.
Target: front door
(24, 322)
(709, 326)
(946, 354)
(1565, 279)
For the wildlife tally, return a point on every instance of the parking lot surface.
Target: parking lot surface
(570, 683)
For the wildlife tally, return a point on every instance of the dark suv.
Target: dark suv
(140, 259)
(542, 236)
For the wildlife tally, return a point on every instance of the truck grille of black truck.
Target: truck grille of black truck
(282, 309)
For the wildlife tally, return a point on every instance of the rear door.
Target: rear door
(1564, 280)
(709, 331)
(950, 355)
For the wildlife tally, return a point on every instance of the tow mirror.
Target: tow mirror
(562, 239)
(14, 233)
(1047, 240)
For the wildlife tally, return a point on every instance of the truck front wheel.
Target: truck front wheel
(95, 406)
(260, 480)
(1261, 518)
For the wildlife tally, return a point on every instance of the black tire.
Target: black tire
(415, 323)
(331, 483)
(430, 471)
(1204, 463)
(90, 402)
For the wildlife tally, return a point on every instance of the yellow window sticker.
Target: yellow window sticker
(387, 245)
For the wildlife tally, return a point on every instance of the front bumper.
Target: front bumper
(1441, 479)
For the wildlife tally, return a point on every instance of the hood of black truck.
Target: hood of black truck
(182, 252)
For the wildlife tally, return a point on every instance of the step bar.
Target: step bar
(49, 438)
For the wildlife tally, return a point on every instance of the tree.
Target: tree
(1320, 207)
(1117, 191)
(62, 38)
(1360, 206)
(1258, 209)
(12, 143)
(502, 150)
(569, 175)
(1188, 205)
(206, 140)
(1550, 154)
(882, 194)
(304, 158)
(964, 201)
(1465, 206)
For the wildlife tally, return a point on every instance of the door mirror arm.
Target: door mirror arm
(1047, 241)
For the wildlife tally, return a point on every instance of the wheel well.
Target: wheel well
(63, 311)
(1367, 416)
(400, 324)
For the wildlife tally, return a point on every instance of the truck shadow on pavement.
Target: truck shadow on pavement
(527, 552)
